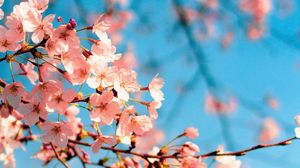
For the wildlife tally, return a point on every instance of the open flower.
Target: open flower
(110, 140)
(33, 111)
(34, 23)
(57, 133)
(155, 88)
(13, 93)
(105, 108)
(191, 132)
(60, 100)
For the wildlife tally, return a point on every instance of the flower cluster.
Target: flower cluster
(58, 65)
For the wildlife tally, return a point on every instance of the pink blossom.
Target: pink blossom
(40, 5)
(149, 139)
(191, 162)
(105, 108)
(33, 111)
(45, 90)
(57, 133)
(227, 161)
(99, 26)
(126, 83)
(216, 106)
(79, 74)
(34, 23)
(110, 140)
(15, 27)
(102, 75)
(13, 93)
(191, 132)
(270, 131)
(152, 106)
(60, 100)
(54, 47)
(140, 124)
(69, 37)
(155, 88)
(7, 42)
(188, 149)
(71, 112)
(105, 50)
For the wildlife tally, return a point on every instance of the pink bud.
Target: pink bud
(191, 132)
(59, 19)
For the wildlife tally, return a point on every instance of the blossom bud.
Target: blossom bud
(59, 19)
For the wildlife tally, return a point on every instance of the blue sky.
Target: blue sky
(247, 68)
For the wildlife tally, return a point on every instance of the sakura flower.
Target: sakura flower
(217, 106)
(45, 90)
(191, 132)
(13, 93)
(102, 75)
(15, 27)
(8, 159)
(79, 75)
(227, 161)
(71, 112)
(140, 124)
(69, 37)
(105, 50)
(54, 47)
(76, 126)
(188, 149)
(34, 23)
(39, 5)
(7, 42)
(33, 111)
(100, 140)
(149, 139)
(100, 26)
(60, 101)
(124, 130)
(155, 88)
(191, 162)
(57, 133)
(126, 83)
(152, 106)
(105, 108)
(45, 153)
(270, 131)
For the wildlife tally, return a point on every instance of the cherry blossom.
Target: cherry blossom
(60, 100)
(100, 140)
(191, 132)
(155, 88)
(13, 93)
(57, 133)
(270, 131)
(40, 27)
(105, 108)
(33, 111)
(191, 162)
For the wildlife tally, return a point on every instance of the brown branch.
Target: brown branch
(58, 157)
(210, 154)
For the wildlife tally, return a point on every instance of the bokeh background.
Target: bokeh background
(203, 49)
